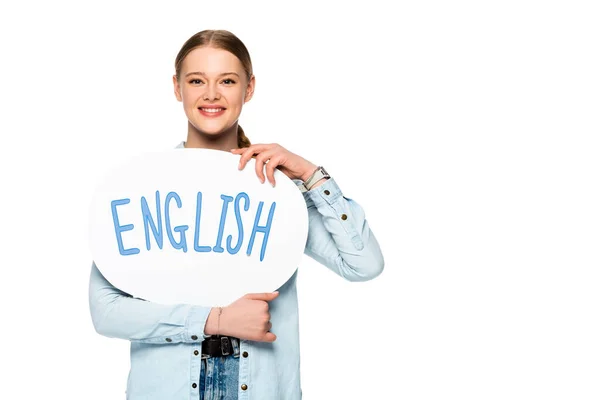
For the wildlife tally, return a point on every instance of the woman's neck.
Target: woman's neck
(225, 141)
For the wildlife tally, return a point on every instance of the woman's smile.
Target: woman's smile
(211, 112)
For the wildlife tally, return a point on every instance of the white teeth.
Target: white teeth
(212, 110)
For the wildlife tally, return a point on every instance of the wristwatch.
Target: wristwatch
(319, 174)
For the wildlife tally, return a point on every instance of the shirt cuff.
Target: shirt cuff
(195, 323)
(330, 201)
(326, 193)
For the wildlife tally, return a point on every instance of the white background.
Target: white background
(468, 130)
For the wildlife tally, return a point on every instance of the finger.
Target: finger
(259, 165)
(262, 296)
(270, 337)
(262, 159)
(249, 152)
(274, 295)
(270, 169)
(246, 154)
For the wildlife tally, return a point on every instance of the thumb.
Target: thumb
(270, 337)
(262, 296)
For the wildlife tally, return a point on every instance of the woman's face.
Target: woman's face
(213, 88)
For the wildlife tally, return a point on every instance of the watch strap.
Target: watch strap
(316, 176)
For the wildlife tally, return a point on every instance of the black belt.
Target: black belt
(218, 346)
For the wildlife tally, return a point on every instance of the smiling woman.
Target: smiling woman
(188, 351)
(213, 83)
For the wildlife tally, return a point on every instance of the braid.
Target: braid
(243, 141)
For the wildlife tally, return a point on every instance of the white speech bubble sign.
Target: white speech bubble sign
(186, 226)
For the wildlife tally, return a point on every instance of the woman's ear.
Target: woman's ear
(176, 88)
(250, 89)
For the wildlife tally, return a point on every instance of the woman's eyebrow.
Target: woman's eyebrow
(203, 74)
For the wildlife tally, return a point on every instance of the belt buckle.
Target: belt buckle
(224, 348)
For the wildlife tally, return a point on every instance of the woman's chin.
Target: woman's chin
(212, 131)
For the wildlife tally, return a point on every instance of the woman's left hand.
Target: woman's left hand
(271, 156)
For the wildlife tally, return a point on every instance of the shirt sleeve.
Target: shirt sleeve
(339, 236)
(117, 314)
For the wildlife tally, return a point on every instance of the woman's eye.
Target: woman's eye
(195, 81)
(228, 82)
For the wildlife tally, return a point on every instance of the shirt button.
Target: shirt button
(344, 217)
(194, 337)
(168, 340)
(194, 385)
(326, 192)
(196, 352)
(245, 354)
(244, 386)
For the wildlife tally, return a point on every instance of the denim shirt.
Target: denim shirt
(166, 340)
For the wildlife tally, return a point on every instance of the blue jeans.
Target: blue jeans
(219, 376)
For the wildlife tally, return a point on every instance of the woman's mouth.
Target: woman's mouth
(211, 111)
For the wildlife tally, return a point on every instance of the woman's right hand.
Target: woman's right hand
(246, 318)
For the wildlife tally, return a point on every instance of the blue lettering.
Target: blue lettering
(182, 244)
(197, 247)
(121, 228)
(226, 201)
(265, 229)
(153, 225)
(148, 220)
(238, 218)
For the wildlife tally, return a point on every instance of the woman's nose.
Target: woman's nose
(212, 92)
